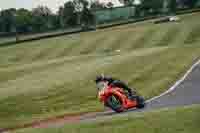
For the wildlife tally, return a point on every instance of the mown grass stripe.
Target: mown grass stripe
(194, 35)
(169, 36)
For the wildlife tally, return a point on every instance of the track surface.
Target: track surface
(186, 91)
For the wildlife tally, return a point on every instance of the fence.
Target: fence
(126, 13)
(114, 14)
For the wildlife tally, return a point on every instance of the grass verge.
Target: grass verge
(174, 120)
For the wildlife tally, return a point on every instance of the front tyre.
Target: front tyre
(115, 103)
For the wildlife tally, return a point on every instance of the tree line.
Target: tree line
(76, 12)
(41, 18)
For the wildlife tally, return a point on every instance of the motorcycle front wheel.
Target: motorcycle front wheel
(115, 103)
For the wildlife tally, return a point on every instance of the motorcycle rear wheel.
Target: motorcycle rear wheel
(141, 102)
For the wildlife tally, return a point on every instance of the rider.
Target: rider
(114, 83)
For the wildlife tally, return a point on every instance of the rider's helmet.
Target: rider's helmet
(100, 82)
(100, 78)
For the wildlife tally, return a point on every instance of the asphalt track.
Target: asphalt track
(185, 91)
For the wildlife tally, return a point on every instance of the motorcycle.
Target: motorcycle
(116, 98)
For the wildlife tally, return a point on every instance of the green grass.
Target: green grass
(55, 76)
(176, 120)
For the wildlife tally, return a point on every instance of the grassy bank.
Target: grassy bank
(160, 121)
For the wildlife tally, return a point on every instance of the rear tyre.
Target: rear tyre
(141, 102)
(115, 103)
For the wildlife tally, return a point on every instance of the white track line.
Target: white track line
(177, 83)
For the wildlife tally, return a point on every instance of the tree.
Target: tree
(8, 20)
(96, 5)
(41, 18)
(127, 2)
(67, 14)
(42, 11)
(23, 20)
(83, 11)
(110, 5)
(87, 17)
